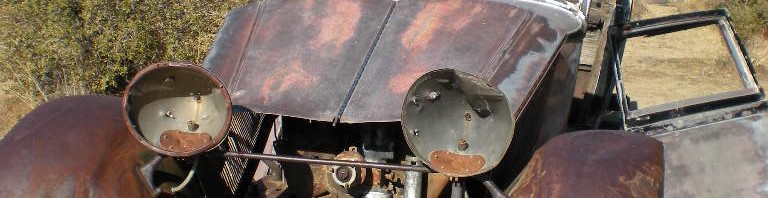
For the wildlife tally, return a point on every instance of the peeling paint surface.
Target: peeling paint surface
(722, 159)
(593, 164)
(324, 60)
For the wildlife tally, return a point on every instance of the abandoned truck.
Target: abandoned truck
(404, 99)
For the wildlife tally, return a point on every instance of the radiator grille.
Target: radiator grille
(246, 125)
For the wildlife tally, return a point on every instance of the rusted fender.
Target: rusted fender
(72, 147)
(593, 164)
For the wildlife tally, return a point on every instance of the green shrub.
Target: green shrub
(54, 48)
(750, 17)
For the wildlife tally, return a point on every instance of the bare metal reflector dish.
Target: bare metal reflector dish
(456, 123)
(177, 109)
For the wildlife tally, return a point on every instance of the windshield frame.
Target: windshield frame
(751, 91)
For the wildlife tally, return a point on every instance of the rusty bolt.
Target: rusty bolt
(192, 126)
(463, 145)
(344, 174)
(197, 97)
(169, 114)
(415, 101)
(169, 79)
(432, 96)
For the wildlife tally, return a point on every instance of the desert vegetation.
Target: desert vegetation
(50, 49)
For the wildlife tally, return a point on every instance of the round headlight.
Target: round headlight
(457, 123)
(177, 109)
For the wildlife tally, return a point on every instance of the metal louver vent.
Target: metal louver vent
(244, 130)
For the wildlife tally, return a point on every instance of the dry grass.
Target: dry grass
(678, 66)
(758, 52)
(51, 49)
(13, 110)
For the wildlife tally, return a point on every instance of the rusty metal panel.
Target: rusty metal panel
(510, 44)
(545, 116)
(72, 147)
(295, 58)
(593, 164)
(303, 58)
(721, 159)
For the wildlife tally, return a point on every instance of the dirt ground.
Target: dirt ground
(11, 110)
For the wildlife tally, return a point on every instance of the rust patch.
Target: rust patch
(435, 20)
(616, 164)
(282, 80)
(439, 17)
(471, 36)
(420, 33)
(435, 184)
(307, 8)
(401, 82)
(376, 178)
(178, 141)
(643, 179)
(339, 26)
(464, 19)
(318, 185)
(454, 164)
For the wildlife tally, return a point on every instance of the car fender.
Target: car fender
(593, 164)
(72, 147)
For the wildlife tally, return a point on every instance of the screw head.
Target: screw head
(433, 95)
(192, 126)
(463, 145)
(169, 79)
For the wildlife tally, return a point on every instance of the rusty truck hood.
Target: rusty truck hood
(353, 61)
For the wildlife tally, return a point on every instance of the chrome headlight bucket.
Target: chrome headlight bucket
(177, 109)
(457, 123)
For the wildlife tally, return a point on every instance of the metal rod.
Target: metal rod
(457, 188)
(188, 178)
(146, 171)
(413, 180)
(493, 189)
(283, 158)
(275, 172)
